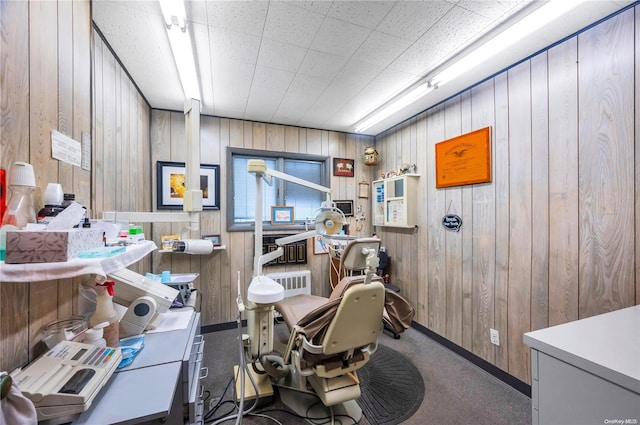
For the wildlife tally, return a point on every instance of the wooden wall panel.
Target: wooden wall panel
(563, 187)
(453, 240)
(605, 92)
(501, 181)
(483, 241)
(437, 203)
(520, 218)
(14, 146)
(539, 193)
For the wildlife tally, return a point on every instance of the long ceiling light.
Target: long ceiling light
(405, 100)
(526, 26)
(175, 19)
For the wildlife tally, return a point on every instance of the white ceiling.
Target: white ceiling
(318, 64)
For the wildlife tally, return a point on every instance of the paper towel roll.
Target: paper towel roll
(196, 246)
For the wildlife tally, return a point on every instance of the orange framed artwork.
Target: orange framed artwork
(465, 159)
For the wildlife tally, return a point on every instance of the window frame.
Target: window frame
(250, 226)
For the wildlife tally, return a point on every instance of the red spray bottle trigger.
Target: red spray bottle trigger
(109, 284)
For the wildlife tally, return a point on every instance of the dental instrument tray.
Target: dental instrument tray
(63, 382)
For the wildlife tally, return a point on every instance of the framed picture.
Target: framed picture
(319, 246)
(215, 239)
(281, 216)
(465, 159)
(343, 167)
(346, 207)
(363, 190)
(171, 185)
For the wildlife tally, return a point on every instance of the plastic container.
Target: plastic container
(20, 209)
(105, 312)
(63, 330)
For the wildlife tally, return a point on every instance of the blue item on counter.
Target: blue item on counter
(130, 348)
(102, 252)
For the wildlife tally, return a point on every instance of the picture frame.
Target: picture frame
(171, 184)
(345, 206)
(215, 239)
(464, 160)
(343, 167)
(281, 216)
(363, 190)
(319, 246)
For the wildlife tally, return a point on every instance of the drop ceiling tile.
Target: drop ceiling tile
(233, 46)
(292, 107)
(309, 85)
(354, 76)
(321, 7)
(275, 54)
(410, 20)
(494, 10)
(271, 79)
(381, 49)
(420, 57)
(263, 102)
(339, 37)
(364, 13)
(241, 16)
(291, 25)
(322, 65)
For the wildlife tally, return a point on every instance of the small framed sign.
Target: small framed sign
(363, 190)
(215, 239)
(281, 216)
(343, 167)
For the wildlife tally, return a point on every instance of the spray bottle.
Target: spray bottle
(105, 312)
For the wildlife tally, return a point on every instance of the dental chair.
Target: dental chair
(351, 262)
(330, 339)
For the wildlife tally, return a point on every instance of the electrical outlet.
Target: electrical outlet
(495, 336)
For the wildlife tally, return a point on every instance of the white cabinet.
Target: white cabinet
(587, 371)
(395, 201)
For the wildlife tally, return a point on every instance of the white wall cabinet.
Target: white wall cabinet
(394, 201)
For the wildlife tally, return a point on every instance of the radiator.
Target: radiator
(294, 283)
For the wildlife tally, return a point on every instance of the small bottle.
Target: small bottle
(105, 312)
(94, 335)
(20, 209)
(53, 198)
(68, 198)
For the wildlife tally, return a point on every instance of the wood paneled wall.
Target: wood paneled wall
(45, 85)
(552, 238)
(219, 271)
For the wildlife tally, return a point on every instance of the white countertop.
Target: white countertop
(35, 272)
(607, 345)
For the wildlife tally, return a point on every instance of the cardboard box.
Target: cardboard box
(25, 246)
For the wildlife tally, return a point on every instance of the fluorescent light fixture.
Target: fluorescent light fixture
(526, 26)
(175, 19)
(405, 100)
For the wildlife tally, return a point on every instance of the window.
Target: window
(241, 193)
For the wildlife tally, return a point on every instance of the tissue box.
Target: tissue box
(25, 246)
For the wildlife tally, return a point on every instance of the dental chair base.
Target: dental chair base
(309, 405)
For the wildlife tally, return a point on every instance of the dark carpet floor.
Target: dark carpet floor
(455, 390)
